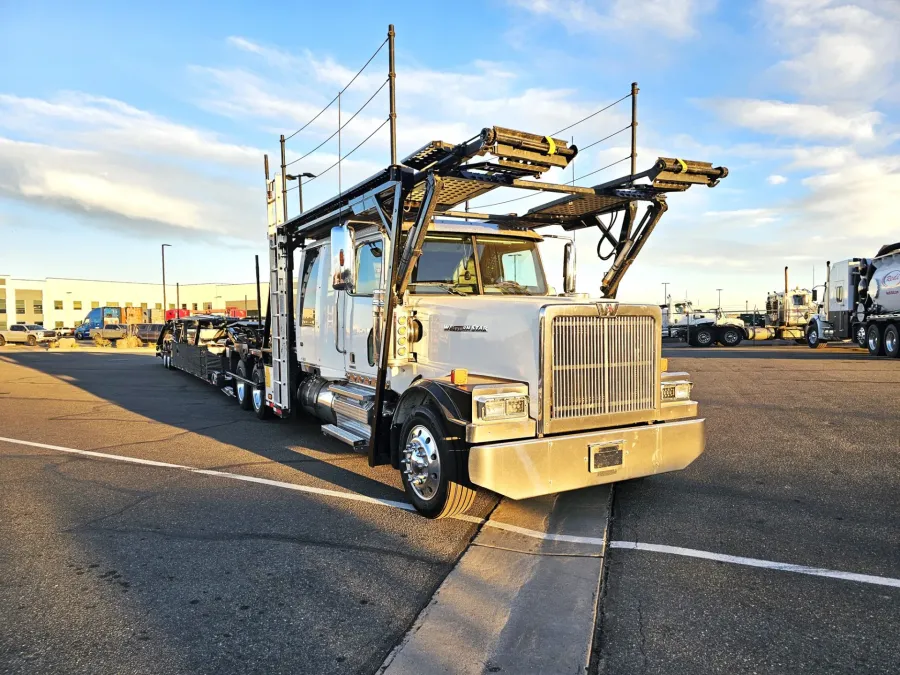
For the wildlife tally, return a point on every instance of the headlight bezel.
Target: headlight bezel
(501, 407)
(681, 391)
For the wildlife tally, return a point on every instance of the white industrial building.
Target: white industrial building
(59, 303)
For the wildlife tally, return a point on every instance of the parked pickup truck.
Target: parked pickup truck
(26, 333)
(111, 331)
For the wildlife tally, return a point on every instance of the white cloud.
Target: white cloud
(775, 179)
(839, 51)
(798, 120)
(744, 217)
(672, 18)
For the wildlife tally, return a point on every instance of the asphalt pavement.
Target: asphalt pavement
(117, 567)
(801, 467)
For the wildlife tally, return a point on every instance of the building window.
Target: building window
(59, 324)
(207, 306)
(3, 325)
(20, 306)
(38, 306)
(94, 304)
(158, 305)
(194, 306)
(143, 305)
(57, 304)
(76, 304)
(183, 306)
(171, 305)
(112, 304)
(2, 305)
(128, 304)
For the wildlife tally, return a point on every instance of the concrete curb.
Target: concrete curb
(517, 603)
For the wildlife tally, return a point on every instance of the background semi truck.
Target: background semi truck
(862, 303)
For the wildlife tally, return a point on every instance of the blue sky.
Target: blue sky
(128, 125)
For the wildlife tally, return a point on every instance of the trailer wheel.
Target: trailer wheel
(875, 340)
(431, 468)
(704, 337)
(730, 336)
(892, 341)
(243, 389)
(812, 337)
(258, 396)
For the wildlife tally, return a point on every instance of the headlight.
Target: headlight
(676, 391)
(501, 406)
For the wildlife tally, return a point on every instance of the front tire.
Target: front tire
(812, 337)
(875, 340)
(243, 390)
(31, 340)
(892, 341)
(2, 340)
(431, 469)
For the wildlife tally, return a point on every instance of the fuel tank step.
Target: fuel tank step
(345, 435)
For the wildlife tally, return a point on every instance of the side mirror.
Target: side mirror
(815, 294)
(569, 268)
(342, 263)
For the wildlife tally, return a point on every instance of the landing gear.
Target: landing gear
(430, 469)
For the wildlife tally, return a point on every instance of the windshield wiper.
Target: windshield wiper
(513, 287)
(440, 284)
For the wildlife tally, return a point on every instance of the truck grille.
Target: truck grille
(602, 365)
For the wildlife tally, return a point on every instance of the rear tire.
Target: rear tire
(859, 335)
(243, 390)
(892, 341)
(731, 336)
(704, 337)
(258, 396)
(875, 340)
(2, 340)
(431, 468)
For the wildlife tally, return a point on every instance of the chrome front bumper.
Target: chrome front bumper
(540, 466)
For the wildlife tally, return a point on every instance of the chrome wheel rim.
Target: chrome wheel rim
(704, 338)
(861, 335)
(873, 341)
(731, 337)
(423, 462)
(257, 398)
(241, 390)
(890, 342)
(813, 337)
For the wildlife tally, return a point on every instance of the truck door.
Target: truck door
(360, 344)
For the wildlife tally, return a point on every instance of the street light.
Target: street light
(299, 178)
(163, 250)
(720, 298)
(665, 286)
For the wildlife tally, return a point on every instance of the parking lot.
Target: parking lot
(151, 526)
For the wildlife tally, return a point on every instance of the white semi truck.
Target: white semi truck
(862, 303)
(430, 339)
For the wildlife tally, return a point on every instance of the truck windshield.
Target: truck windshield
(507, 266)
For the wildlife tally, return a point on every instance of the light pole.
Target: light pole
(163, 250)
(299, 178)
(720, 298)
(665, 286)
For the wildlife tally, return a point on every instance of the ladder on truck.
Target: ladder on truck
(278, 374)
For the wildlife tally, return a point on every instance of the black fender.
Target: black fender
(453, 403)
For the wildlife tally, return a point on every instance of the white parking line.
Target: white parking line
(596, 541)
(756, 562)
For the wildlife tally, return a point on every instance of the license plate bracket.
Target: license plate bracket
(605, 456)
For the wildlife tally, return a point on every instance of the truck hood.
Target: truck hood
(495, 336)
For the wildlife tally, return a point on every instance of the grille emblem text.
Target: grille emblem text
(465, 329)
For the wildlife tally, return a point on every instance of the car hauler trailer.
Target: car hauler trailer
(862, 303)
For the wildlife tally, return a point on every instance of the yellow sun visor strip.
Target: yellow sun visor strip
(683, 166)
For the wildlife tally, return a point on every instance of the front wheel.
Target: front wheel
(875, 340)
(892, 341)
(31, 340)
(430, 467)
(812, 337)
(2, 340)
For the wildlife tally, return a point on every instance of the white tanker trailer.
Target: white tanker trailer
(862, 303)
